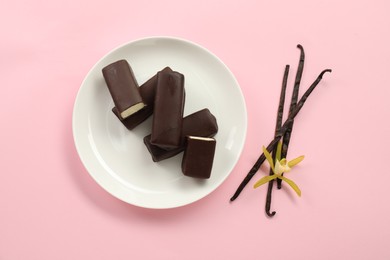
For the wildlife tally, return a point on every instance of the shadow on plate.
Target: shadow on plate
(107, 203)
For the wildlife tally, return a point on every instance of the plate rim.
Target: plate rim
(138, 40)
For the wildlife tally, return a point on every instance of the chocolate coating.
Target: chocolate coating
(201, 123)
(123, 87)
(168, 110)
(148, 93)
(198, 157)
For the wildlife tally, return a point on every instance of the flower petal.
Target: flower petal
(295, 161)
(283, 162)
(264, 180)
(269, 158)
(279, 151)
(279, 169)
(292, 184)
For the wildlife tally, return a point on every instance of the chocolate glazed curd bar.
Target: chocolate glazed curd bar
(201, 123)
(168, 110)
(123, 88)
(148, 93)
(198, 157)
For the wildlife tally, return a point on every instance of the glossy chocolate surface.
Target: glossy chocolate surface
(168, 110)
(123, 88)
(201, 123)
(198, 157)
(148, 93)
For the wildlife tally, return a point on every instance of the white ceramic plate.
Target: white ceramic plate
(118, 160)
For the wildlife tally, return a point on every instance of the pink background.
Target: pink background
(52, 209)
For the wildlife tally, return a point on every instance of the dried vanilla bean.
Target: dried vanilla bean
(283, 129)
(294, 100)
(279, 120)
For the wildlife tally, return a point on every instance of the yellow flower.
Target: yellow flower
(281, 166)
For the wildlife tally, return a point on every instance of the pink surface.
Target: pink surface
(52, 209)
